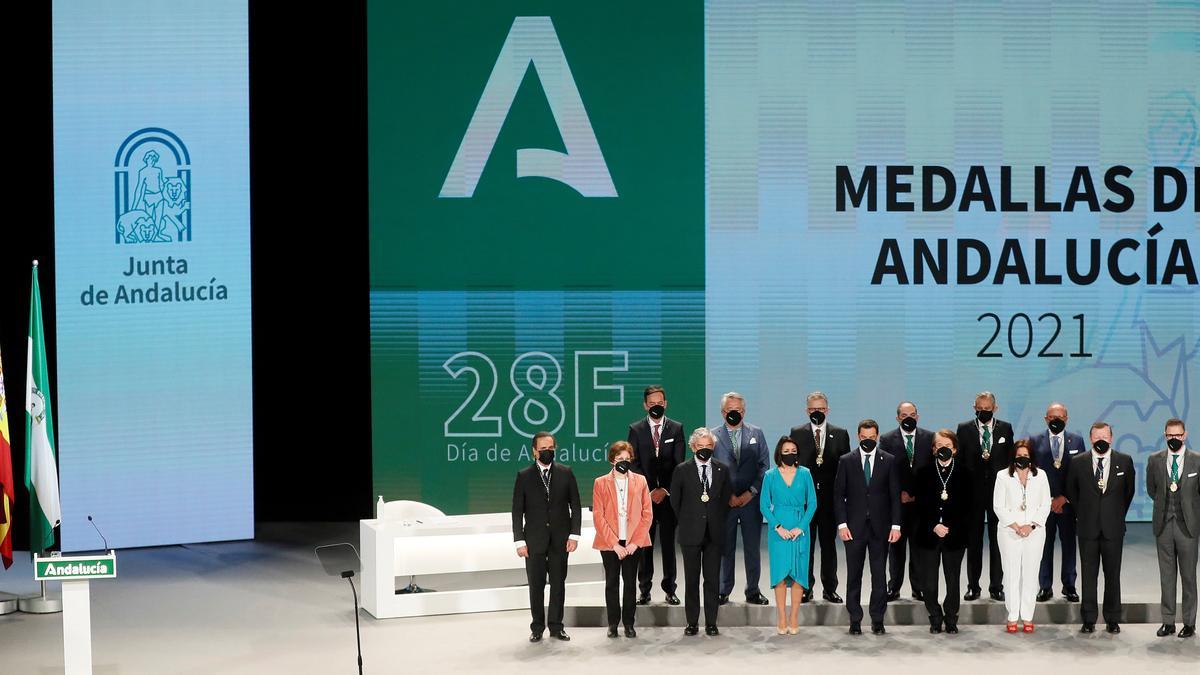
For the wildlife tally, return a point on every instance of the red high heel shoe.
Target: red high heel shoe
(1028, 628)
(1012, 627)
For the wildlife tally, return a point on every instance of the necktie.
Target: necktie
(546, 481)
(735, 441)
(1099, 469)
(987, 439)
(908, 446)
(817, 441)
(867, 467)
(1055, 448)
(704, 476)
(1175, 468)
(654, 436)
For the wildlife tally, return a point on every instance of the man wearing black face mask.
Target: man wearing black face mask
(700, 492)
(821, 446)
(912, 447)
(1173, 484)
(743, 448)
(546, 522)
(658, 445)
(1053, 451)
(985, 448)
(1101, 485)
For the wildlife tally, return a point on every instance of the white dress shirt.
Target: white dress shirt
(622, 507)
(1107, 457)
(1010, 494)
(870, 457)
(656, 423)
(991, 427)
(1062, 446)
(1171, 458)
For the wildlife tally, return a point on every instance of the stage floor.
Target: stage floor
(265, 606)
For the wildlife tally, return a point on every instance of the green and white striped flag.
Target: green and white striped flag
(41, 471)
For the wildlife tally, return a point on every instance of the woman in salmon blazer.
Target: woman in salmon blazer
(621, 512)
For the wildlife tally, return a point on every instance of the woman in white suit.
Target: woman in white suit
(1022, 504)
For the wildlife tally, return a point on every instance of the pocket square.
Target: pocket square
(1192, 474)
(1000, 440)
(1120, 473)
(669, 440)
(753, 441)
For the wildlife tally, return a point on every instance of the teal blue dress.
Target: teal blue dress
(790, 507)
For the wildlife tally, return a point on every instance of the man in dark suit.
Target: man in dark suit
(912, 447)
(743, 448)
(1173, 483)
(700, 492)
(546, 519)
(821, 446)
(658, 447)
(866, 502)
(1101, 485)
(985, 447)
(1053, 451)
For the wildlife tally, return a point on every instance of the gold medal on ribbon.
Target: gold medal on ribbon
(704, 497)
(1058, 463)
(987, 455)
(1174, 487)
(945, 495)
(1100, 484)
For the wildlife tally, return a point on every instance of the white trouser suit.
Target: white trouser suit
(1021, 556)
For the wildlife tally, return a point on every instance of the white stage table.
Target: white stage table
(392, 549)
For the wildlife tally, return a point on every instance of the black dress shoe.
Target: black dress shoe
(691, 630)
(972, 594)
(535, 637)
(711, 630)
(832, 596)
(935, 627)
(1044, 595)
(672, 599)
(1165, 630)
(1113, 628)
(630, 632)
(723, 599)
(998, 596)
(893, 596)
(560, 635)
(918, 596)
(855, 629)
(643, 599)
(951, 627)
(877, 628)
(1070, 595)
(1188, 631)
(807, 597)
(1088, 628)
(612, 631)
(757, 599)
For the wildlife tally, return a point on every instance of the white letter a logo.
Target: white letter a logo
(582, 167)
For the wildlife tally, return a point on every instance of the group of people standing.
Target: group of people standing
(911, 494)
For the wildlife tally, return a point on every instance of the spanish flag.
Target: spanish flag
(7, 496)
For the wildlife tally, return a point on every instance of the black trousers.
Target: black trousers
(950, 561)
(825, 531)
(866, 545)
(984, 517)
(551, 564)
(621, 606)
(705, 560)
(897, 551)
(662, 536)
(1092, 554)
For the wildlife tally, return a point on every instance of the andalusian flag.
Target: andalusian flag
(7, 494)
(41, 471)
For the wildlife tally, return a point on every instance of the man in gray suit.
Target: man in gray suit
(1173, 482)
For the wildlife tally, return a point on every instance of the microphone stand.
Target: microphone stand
(348, 576)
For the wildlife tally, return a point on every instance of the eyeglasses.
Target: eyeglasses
(1178, 436)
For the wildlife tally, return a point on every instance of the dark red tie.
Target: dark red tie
(654, 436)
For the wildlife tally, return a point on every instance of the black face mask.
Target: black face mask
(1021, 462)
(791, 459)
(944, 453)
(733, 417)
(984, 416)
(1056, 426)
(1100, 446)
(1174, 444)
(656, 411)
(816, 417)
(867, 444)
(546, 456)
(704, 454)
(908, 424)
(622, 466)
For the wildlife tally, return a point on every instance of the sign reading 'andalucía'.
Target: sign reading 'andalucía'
(65, 569)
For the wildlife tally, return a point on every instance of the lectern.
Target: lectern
(76, 573)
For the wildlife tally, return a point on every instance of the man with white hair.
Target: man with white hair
(700, 495)
(743, 448)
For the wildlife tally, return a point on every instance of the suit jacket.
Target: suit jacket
(639, 512)
(1158, 483)
(671, 446)
(543, 522)
(746, 473)
(854, 500)
(1101, 514)
(695, 516)
(836, 444)
(893, 443)
(983, 472)
(955, 513)
(1043, 456)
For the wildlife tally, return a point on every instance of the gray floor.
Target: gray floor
(265, 607)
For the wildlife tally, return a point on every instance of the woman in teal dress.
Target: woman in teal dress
(788, 501)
